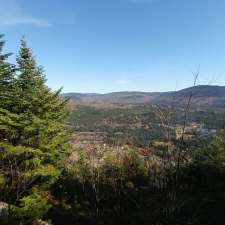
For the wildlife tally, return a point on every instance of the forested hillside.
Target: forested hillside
(140, 164)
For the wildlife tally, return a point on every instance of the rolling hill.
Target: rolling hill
(203, 95)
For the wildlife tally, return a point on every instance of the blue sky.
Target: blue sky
(117, 45)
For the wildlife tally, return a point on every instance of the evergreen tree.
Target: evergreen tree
(35, 140)
(7, 72)
(41, 107)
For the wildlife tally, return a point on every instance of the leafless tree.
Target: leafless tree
(185, 121)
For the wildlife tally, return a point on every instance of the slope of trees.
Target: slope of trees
(118, 187)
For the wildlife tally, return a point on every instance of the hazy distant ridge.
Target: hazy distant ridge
(203, 95)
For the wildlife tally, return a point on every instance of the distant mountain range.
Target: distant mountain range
(203, 95)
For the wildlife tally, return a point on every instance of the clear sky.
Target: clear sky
(120, 45)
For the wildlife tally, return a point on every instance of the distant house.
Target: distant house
(191, 130)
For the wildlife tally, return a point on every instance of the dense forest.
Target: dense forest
(142, 172)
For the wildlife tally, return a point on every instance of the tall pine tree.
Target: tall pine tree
(35, 139)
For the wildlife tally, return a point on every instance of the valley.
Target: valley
(124, 119)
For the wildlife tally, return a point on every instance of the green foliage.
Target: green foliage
(33, 135)
(213, 153)
(33, 206)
